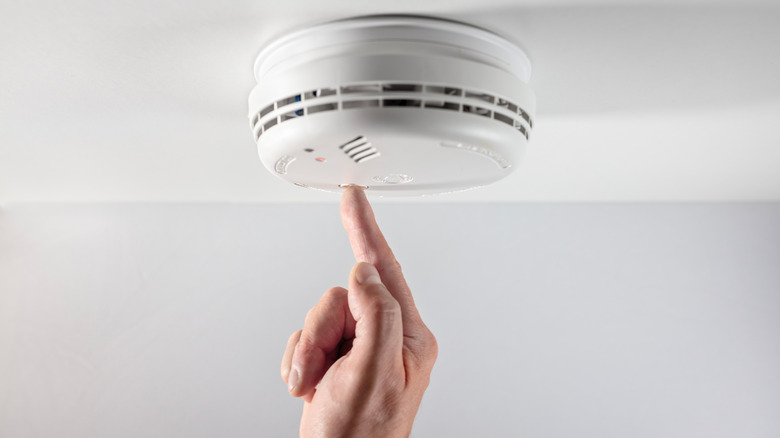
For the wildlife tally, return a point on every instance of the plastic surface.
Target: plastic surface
(396, 29)
(401, 105)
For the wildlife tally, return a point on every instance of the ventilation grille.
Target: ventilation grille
(359, 149)
(375, 95)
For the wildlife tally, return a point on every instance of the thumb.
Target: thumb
(378, 324)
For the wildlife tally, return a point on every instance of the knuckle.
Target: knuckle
(304, 346)
(295, 336)
(394, 389)
(433, 348)
(380, 300)
(329, 298)
(393, 267)
(384, 310)
(384, 317)
(310, 315)
(334, 293)
(425, 351)
(431, 341)
(304, 351)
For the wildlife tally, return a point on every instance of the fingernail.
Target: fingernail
(292, 379)
(367, 274)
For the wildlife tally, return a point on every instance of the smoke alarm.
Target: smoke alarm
(399, 105)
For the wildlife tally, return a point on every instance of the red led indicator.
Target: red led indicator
(320, 159)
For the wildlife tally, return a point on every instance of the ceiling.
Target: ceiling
(145, 101)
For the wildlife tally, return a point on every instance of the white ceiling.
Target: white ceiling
(146, 100)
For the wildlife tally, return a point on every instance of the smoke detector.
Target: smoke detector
(399, 105)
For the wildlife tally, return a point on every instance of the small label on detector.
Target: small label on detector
(282, 164)
(393, 178)
(489, 153)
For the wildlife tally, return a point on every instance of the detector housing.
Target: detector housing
(400, 105)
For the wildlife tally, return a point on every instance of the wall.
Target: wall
(637, 320)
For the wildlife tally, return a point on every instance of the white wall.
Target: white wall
(553, 320)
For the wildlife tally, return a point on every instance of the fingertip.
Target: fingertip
(367, 241)
(307, 368)
(353, 190)
(353, 203)
(349, 193)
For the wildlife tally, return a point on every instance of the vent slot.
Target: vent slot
(269, 124)
(522, 129)
(287, 116)
(288, 101)
(321, 108)
(438, 104)
(502, 118)
(367, 157)
(508, 105)
(449, 91)
(319, 92)
(402, 102)
(359, 149)
(527, 118)
(354, 152)
(354, 143)
(266, 110)
(402, 88)
(356, 139)
(364, 154)
(361, 88)
(481, 96)
(349, 104)
(476, 110)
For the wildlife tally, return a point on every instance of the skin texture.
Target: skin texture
(364, 357)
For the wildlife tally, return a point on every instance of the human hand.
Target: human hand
(364, 357)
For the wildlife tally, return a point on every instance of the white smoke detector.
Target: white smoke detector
(401, 105)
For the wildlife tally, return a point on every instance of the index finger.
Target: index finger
(369, 245)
